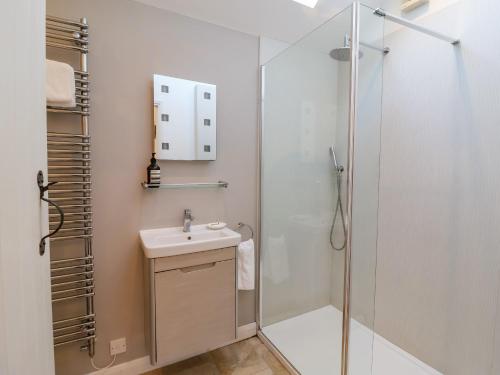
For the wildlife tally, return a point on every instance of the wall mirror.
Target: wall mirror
(184, 119)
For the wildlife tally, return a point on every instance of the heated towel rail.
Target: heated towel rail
(72, 260)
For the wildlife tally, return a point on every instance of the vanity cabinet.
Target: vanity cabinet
(192, 303)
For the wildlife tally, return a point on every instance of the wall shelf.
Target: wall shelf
(189, 185)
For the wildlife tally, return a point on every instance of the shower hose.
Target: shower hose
(338, 210)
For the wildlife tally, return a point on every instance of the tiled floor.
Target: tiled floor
(249, 357)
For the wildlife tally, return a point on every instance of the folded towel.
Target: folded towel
(60, 84)
(275, 257)
(246, 265)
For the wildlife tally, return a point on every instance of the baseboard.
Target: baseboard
(143, 364)
(246, 331)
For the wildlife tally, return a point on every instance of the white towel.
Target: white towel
(246, 265)
(275, 259)
(60, 84)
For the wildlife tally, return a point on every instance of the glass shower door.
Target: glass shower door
(304, 159)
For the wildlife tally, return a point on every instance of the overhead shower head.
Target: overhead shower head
(343, 53)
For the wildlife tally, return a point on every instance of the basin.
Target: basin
(164, 242)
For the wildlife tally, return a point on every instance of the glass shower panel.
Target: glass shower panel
(305, 113)
(366, 191)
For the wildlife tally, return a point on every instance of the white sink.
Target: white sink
(165, 242)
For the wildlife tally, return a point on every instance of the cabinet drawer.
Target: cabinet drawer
(195, 309)
(193, 259)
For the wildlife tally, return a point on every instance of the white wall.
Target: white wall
(438, 256)
(26, 343)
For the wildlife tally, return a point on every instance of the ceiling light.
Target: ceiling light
(307, 3)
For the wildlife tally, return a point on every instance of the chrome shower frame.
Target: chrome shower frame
(412, 25)
(353, 113)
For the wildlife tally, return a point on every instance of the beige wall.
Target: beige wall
(129, 42)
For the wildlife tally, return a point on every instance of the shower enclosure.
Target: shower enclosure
(320, 152)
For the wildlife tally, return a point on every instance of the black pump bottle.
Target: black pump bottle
(154, 175)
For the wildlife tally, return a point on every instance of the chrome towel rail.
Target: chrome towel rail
(66, 38)
(63, 199)
(65, 46)
(74, 274)
(66, 183)
(63, 191)
(74, 206)
(72, 334)
(77, 34)
(72, 279)
(75, 282)
(65, 21)
(88, 317)
(70, 290)
(80, 325)
(67, 135)
(59, 261)
(61, 110)
(188, 185)
(86, 229)
(84, 152)
(59, 269)
(60, 238)
(68, 160)
(86, 338)
(66, 143)
(91, 330)
(78, 221)
(69, 166)
(73, 214)
(72, 298)
(62, 175)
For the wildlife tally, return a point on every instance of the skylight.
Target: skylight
(307, 3)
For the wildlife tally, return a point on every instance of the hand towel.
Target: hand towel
(60, 84)
(246, 265)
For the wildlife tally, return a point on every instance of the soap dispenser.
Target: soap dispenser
(154, 175)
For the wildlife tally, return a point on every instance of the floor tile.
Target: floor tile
(248, 357)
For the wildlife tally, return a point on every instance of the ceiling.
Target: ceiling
(283, 20)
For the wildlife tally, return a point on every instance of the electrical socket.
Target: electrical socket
(118, 346)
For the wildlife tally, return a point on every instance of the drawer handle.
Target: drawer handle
(197, 268)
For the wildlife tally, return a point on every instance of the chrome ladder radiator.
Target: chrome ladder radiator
(72, 260)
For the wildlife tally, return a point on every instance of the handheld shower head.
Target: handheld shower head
(339, 168)
(339, 209)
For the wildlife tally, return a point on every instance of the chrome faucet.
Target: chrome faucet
(187, 220)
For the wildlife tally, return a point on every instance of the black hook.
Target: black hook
(43, 189)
